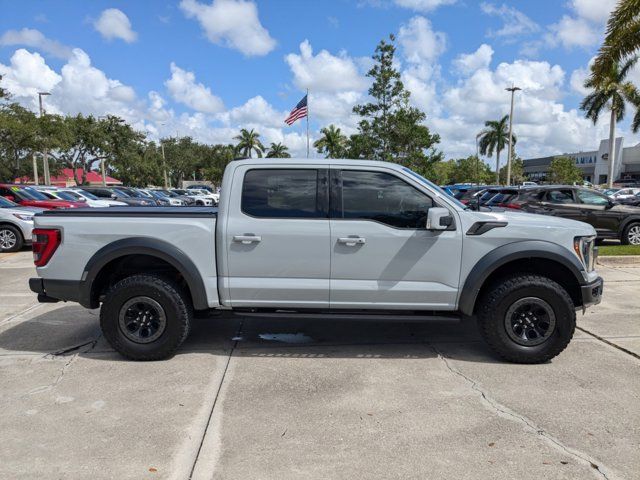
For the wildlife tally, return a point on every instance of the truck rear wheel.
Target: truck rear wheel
(526, 318)
(146, 317)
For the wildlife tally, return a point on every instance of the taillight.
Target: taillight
(45, 242)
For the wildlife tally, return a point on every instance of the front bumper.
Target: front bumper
(592, 292)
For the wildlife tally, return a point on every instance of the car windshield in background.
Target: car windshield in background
(72, 197)
(433, 186)
(120, 193)
(4, 203)
(31, 194)
(167, 193)
(88, 195)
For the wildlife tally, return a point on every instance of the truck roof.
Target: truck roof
(317, 161)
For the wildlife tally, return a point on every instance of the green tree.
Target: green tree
(622, 38)
(249, 142)
(471, 170)
(278, 150)
(494, 137)
(441, 173)
(517, 172)
(332, 143)
(217, 158)
(563, 170)
(610, 91)
(390, 129)
(3, 92)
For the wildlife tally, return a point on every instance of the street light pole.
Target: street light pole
(513, 90)
(164, 166)
(45, 154)
(477, 160)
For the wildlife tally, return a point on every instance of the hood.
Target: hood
(19, 210)
(49, 204)
(517, 219)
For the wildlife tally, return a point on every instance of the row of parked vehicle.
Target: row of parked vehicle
(19, 203)
(614, 213)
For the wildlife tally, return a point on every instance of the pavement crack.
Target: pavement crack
(530, 426)
(60, 353)
(611, 344)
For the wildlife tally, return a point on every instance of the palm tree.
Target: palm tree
(332, 143)
(248, 142)
(278, 150)
(494, 137)
(622, 38)
(610, 91)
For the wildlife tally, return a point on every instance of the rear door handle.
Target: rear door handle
(247, 239)
(352, 241)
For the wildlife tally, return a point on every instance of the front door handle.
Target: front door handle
(247, 239)
(352, 241)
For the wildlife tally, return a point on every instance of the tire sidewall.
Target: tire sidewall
(625, 236)
(564, 327)
(19, 241)
(175, 312)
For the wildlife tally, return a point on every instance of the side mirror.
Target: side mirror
(474, 203)
(439, 218)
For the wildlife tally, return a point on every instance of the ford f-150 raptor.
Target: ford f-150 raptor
(322, 237)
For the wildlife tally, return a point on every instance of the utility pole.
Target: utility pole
(45, 155)
(477, 161)
(164, 166)
(35, 169)
(513, 90)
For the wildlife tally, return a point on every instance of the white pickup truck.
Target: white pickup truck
(320, 237)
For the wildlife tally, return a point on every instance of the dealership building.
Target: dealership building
(594, 164)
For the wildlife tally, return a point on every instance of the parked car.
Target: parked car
(64, 194)
(464, 193)
(29, 197)
(162, 199)
(186, 199)
(610, 219)
(94, 201)
(625, 194)
(388, 240)
(118, 195)
(200, 200)
(496, 196)
(16, 224)
(206, 193)
(201, 187)
(137, 193)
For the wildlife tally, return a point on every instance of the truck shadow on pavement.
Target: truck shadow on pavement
(71, 329)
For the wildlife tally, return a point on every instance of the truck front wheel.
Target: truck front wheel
(526, 318)
(146, 317)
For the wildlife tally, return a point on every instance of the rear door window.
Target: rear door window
(281, 193)
(560, 196)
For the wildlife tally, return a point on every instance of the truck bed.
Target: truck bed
(134, 212)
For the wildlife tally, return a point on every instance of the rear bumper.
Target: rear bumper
(51, 291)
(592, 292)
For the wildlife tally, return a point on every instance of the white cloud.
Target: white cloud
(419, 42)
(515, 23)
(256, 111)
(423, 5)
(470, 62)
(183, 88)
(35, 39)
(324, 72)
(113, 23)
(232, 23)
(26, 75)
(596, 11)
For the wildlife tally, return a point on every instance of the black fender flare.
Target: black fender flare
(625, 223)
(504, 254)
(143, 246)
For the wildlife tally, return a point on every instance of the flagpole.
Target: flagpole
(307, 123)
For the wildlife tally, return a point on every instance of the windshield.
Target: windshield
(71, 196)
(435, 187)
(167, 193)
(88, 195)
(120, 193)
(4, 203)
(31, 194)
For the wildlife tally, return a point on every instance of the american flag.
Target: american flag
(300, 111)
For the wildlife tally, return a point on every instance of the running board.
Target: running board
(453, 318)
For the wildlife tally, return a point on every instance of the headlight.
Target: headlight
(585, 250)
(144, 202)
(21, 216)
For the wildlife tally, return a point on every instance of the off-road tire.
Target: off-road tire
(502, 294)
(624, 239)
(177, 309)
(18, 235)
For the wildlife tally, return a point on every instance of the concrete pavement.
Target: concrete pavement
(282, 399)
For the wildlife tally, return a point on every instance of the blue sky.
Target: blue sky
(207, 68)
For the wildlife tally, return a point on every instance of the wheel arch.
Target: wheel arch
(534, 256)
(119, 251)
